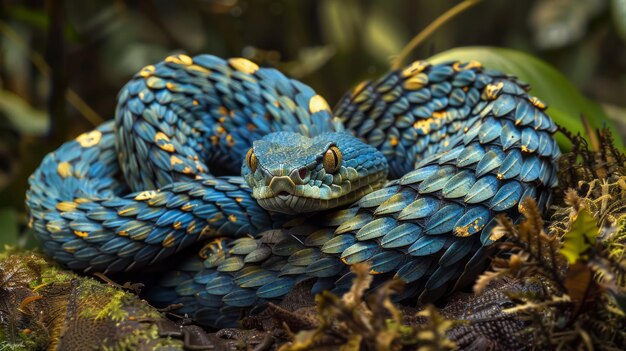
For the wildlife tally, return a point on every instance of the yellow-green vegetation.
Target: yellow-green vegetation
(616, 242)
(572, 292)
(59, 310)
(580, 237)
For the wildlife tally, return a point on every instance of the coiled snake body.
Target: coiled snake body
(461, 144)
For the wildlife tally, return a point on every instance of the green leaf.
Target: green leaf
(565, 103)
(23, 117)
(580, 237)
(8, 227)
(618, 9)
(341, 22)
(383, 36)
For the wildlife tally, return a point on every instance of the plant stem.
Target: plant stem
(398, 61)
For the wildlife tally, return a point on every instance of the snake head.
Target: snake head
(291, 173)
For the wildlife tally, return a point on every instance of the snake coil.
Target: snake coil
(462, 144)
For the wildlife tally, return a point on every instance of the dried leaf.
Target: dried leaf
(353, 343)
(432, 336)
(483, 281)
(580, 285)
(360, 284)
(301, 341)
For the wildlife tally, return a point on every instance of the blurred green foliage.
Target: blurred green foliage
(8, 223)
(63, 61)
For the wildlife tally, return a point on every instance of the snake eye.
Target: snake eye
(332, 159)
(251, 160)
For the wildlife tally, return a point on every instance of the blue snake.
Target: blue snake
(408, 173)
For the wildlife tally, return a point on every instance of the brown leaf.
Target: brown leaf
(580, 285)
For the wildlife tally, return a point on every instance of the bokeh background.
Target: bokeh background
(62, 62)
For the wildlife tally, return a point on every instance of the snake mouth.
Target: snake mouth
(306, 198)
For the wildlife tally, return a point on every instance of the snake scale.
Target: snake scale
(458, 144)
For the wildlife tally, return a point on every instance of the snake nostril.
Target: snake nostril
(302, 172)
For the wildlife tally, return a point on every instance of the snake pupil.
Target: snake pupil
(251, 160)
(332, 159)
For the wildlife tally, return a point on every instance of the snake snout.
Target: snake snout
(282, 185)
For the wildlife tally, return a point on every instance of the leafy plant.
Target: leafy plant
(360, 321)
(578, 262)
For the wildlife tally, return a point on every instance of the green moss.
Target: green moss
(65, 299)
(24, 342)
(143, 338)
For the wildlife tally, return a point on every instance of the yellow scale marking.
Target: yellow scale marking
(464, 230)
(415, 68)
(318, 103)
(66, 206)
(460, 66)
(188, 207)
(125, 211)
(216, 218)
(145, 195)
(171, 86)
(191, 227)
(243, 65)
(168, 241)
(537, 103)
(81, 234)
(167, 146)
(200, 69)
(147, 71)
(492, 91)
(179, 59)
(174, 160)
(64, 169)
(230, 141)
(425, 124)
(53, 228)
(393, 140)
(89, 139)
(416, 82)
